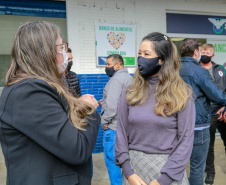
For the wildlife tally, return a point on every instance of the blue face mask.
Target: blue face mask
(148, 66)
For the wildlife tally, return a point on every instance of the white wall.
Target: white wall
(148, 15)
(10, 23)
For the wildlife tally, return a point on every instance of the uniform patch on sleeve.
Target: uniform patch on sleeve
(220, 73)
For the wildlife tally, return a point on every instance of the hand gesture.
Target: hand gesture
(135, 180)
(88, 98)
(154, 182)
(219, 112)
(100, 103)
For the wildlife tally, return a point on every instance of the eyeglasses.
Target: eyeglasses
(64, 46)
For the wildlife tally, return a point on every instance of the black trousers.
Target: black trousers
(221, 126)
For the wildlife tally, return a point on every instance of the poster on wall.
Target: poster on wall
(116, 39)
(220, 51)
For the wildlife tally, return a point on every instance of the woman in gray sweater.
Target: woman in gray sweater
(156, 121)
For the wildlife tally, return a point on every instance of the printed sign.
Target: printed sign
(220, 51)
(195, 24)
(116, 39)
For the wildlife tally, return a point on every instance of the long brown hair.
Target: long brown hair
(172, 92)
(34, 56)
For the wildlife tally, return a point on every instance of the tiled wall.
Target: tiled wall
(94, 84)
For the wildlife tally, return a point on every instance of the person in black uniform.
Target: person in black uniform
(72, 77)
(218, 74)
(47, 135)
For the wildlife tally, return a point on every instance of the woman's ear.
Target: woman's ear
(160, 61)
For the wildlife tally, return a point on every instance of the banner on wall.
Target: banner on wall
(220, 51)
(116, 39)
(196, 24)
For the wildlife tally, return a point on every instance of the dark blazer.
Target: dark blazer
(39, 143)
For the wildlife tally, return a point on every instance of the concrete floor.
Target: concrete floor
(100, 176)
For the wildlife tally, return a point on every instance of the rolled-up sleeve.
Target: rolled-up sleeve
(122, 158)
(175, 166)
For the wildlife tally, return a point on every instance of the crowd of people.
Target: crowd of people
(153, 123)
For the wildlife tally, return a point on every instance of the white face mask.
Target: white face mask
(198, 59)
(63, 67)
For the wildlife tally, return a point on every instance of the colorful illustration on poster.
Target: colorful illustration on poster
(115, 39)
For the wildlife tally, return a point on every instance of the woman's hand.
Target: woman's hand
(154, 182)
(135, 180)
(88, 98)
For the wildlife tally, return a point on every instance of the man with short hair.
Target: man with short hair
(120, 79)
(71, 77)
(204, 90)
(217, 72)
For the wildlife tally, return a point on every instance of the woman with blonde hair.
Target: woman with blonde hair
(156, 118)
(47, 135)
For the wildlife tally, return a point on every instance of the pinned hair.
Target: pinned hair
(172, 92)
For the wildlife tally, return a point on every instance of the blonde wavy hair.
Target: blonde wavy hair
(33, 55)
(172, 92)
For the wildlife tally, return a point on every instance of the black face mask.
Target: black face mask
(110, 71)
(148, 66)
(69, 65)
(205, 59)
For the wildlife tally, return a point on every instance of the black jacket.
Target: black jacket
(220, 80)
(39, 143)
(204, 89)
(73, 83)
